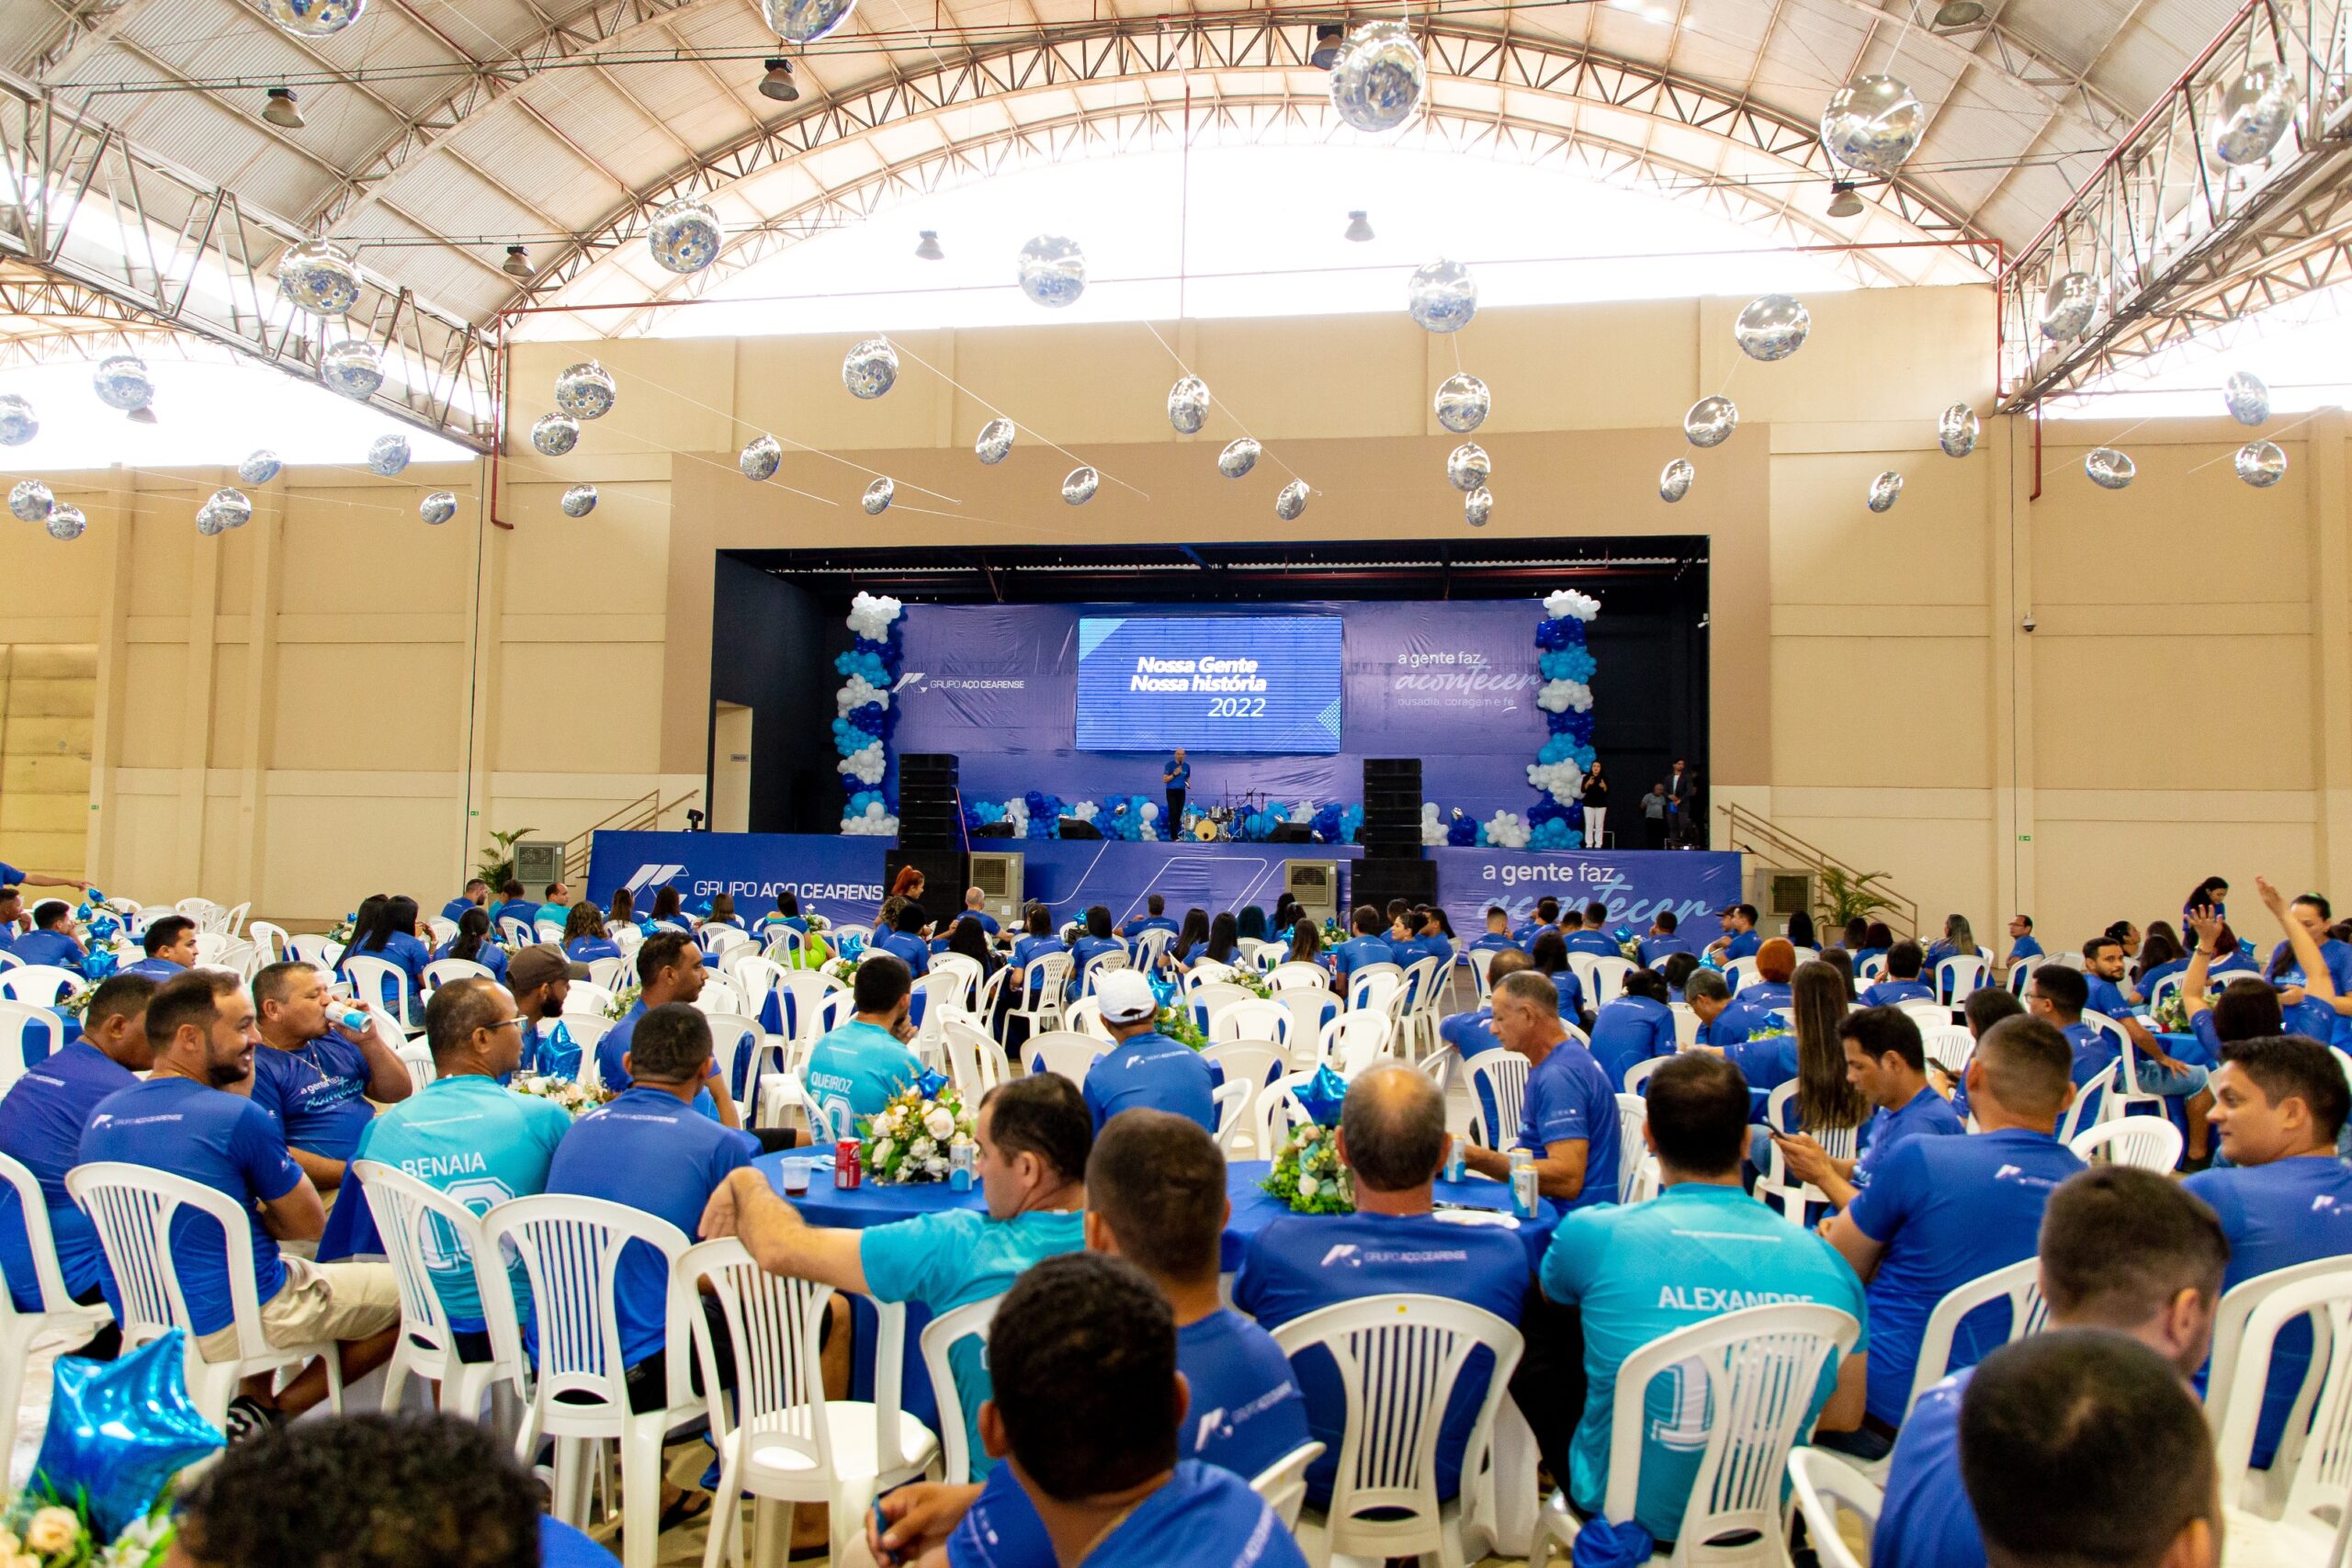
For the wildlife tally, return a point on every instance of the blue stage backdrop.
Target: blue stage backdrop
(1452, 684)
(841, 878)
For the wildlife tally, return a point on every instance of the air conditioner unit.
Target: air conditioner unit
(996, 873)
(538, 862)
(1315, 885)
(1779, 892)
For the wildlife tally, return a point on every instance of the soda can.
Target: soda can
(1523, 1190)
(1457, 1165)
(846, 1171)
(959, 1167)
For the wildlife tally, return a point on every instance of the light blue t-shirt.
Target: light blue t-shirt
(1693, 1253)
(1927, 1520)
(480, 1144)
(1152, 1072)
(953, 1259)
(853, 1070)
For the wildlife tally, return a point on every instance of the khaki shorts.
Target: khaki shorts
(319, 1303)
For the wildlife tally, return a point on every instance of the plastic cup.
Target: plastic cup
(796, 1178)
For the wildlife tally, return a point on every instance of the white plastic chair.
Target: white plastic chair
(1206, 1001)
(939, 1336)
(444, 930)
(1282, 1483)
(1949, 1046)
(1370, 987)
(719, 995)
(1927, 1015)
(1062, 1051)
(784, 1439)
(2228, 1327)
(1638, 1073)
(516, 931)
(2146, 1143)
(1150, 949)
(1503, 1076)
(133, 1208)
(1958, 977)
(441, 971)
(1356, 1040)
(1399, 1358)
(1580, 964)
(1042, 977)
(1099, 965)
(2308, 1476)
(1824, 1485)
(1084, 1016)
(58, 1313)
(2028, 1314)
(2089, 1104)
(1607, 981)
(611, 973)
(786, 947)
(956, 979)
(315, 949)
(571, 1248)
(1740, 972)
(1481, 960)
(1311, 1008)
(2020, 972)
(19, 1020)
(1762, 1365)
(585, 997)
(1253, 1066)
(2123, 1092)
(735, 1042)
(422, 1228)
(1252, 1018)
(272, 943)
(1686, 1025)
(200, 910)
(1291, 976)
(374, 980)
(974, 1060)
(42, 984)
(803, 990)
(1633, 1115)
(1772, 1183)
(1206, 972)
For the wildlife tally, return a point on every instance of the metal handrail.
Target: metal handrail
(641, 815)
(1767, 837)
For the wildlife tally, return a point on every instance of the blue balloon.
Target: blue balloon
(1323, 1095)
(98, 964)
(119, 1430)
(1461, 832)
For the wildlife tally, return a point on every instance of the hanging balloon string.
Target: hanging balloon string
(176, 478)
(1016, 423)
(707, 460)
(1221, 402)
(2269, 436)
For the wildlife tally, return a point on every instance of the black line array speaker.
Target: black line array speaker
(946, 874)
(1392, 808)
(929, 821)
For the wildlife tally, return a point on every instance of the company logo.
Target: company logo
(2005, 1172)
(906, 680)
(1211, 1426)
(1344, 1252)
(650, 875)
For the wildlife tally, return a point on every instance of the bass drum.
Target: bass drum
(1208, 830)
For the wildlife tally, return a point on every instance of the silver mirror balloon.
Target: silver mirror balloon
(2261, 464)
(260, 467)
(313, 18)
(388, 455)
(1238, 458)
(1292, 502)
(804, 21)
(2256, 112)
(871, 368)
(2068, 305)
(1376, 83)
(352, 368)
(760, 459)
(1872, 124)
(554, 434)
(122, 383)
(878, 496)
(684, 236)
(1080, 485)
(1674, 482)
(67, 524)
(1772, 328)
(2109, 468)
(18, 424)
(587, 391)
(1441, 296)
(1711, 420)
(996, 441)
(1463, 402)
(2247, 398)
(1052, 271)
(1957, 431)
(1478, 506)
(1885, 490)
(209, 522)
(1188, 405)
(320, 277)
(232, 507)
(579, 501)
(31, 501)
(1466, 467)
(437, 508)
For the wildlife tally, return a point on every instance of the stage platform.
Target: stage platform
(841, 876)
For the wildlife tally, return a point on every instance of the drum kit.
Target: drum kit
(1208, 824)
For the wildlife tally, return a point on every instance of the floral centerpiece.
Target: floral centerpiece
(570, 1093)
(42, 1530)
(1332, 935)
(77, 1008)
(1629, 945)
(1308, 1177)
(1177, 1022)
(340, 932)
(623, 999)
(909, 1139)
(2170, 1014)
(1252, 982)
(841, 969)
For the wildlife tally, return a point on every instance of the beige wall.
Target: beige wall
(339, 699)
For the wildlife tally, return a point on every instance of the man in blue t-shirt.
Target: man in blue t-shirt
(669, 969)
(1471, 1032)
(1702, 1247)
(1154, 919)
(1497, 937)
(1392, 1135)
(51, 941)
(2059, 993)
(475, 897)
(41, 1122)
(540, 978)
(1367, 946)
(315, 1074)
(1886, 1061)
(909, 938)
(1661, 942)
(1634, 1028)
(191, 1119)
(1754, 1003)
(1904, 962)
(1941, 1211)
(2122, 1249)
(1593, 936)
(1089, 1413)
(514, 907)
(12, 877)
(1740, 938)
(1546, 916)
(1030, 1144)
(1567, 1116)
(1177, 777)
(1156, 1196)
(2022, 943)
(855, 1070)
(2285, 1197)
(1143, 1066)
(170, 945)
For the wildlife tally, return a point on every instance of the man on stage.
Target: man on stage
(1176, 776)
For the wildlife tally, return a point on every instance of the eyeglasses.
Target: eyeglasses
(506, 1023)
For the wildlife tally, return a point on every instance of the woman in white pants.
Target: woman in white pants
(1596, 805)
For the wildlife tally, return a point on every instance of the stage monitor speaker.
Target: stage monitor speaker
(1375, 882)
(1291, 833)
(946, 874)
(538, 862)
(998, 874)
(1315, 884)
(1078, 828)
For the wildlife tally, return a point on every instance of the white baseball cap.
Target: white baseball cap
(1126, 997)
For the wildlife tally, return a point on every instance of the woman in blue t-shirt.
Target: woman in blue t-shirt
(1223, 944)
(387, 930)
(1191, 936)
(584, 935)
(472, 943)
(1099, 940)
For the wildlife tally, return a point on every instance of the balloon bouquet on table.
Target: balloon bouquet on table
(100, 1493)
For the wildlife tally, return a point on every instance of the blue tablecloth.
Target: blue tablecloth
(38, 1044)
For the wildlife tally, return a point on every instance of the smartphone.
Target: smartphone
(883, 1556)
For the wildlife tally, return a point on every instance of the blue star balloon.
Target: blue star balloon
(98, 964)
(1323, 1095)
(121, 1431)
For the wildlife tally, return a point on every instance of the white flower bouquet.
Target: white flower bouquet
(841, 969)
(570, 1093)
(624, 999)
(1308, 1177)
(911, 1138)
(41, 1530)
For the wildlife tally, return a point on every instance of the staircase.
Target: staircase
(1751, 834)
(642, 815)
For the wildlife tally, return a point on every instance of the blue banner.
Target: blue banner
(1636, 885)
(834, 876)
